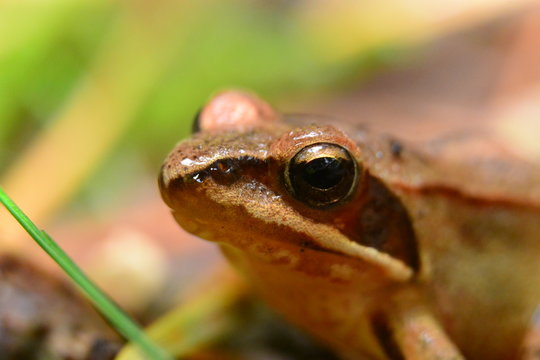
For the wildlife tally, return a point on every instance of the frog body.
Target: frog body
(378, 249)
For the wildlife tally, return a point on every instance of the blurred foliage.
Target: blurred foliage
(44, 50)
(93, 94)
(175, 55)
(258, 48)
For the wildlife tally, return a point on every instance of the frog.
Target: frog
(378, 248)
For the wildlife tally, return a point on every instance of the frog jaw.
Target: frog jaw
(209, 209)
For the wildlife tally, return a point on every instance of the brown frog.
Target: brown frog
(378, 249)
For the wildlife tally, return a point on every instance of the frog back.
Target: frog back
(475, 210)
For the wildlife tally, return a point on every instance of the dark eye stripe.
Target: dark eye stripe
(225, 171)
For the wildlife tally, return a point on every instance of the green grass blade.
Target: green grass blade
(120, 320)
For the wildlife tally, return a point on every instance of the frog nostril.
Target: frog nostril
(225, 171)
(197, 177)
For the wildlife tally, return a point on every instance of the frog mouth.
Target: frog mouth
(270, 211)
(207, 202)
(283, 246)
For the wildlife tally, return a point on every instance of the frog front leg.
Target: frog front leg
(409, 331)
(531, 343)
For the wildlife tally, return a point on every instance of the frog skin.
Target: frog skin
(380, 250)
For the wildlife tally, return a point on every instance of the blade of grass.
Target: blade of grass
(120, 320)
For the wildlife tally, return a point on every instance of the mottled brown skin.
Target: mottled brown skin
(433, 256)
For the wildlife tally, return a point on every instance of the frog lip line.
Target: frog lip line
(322, 235)
(395, 269)
(327, 238)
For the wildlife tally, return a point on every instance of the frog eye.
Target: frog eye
(322, 174)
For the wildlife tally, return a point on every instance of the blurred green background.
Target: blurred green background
(111, 86)
(94, 93)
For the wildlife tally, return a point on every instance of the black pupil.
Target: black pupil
(323, 173)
